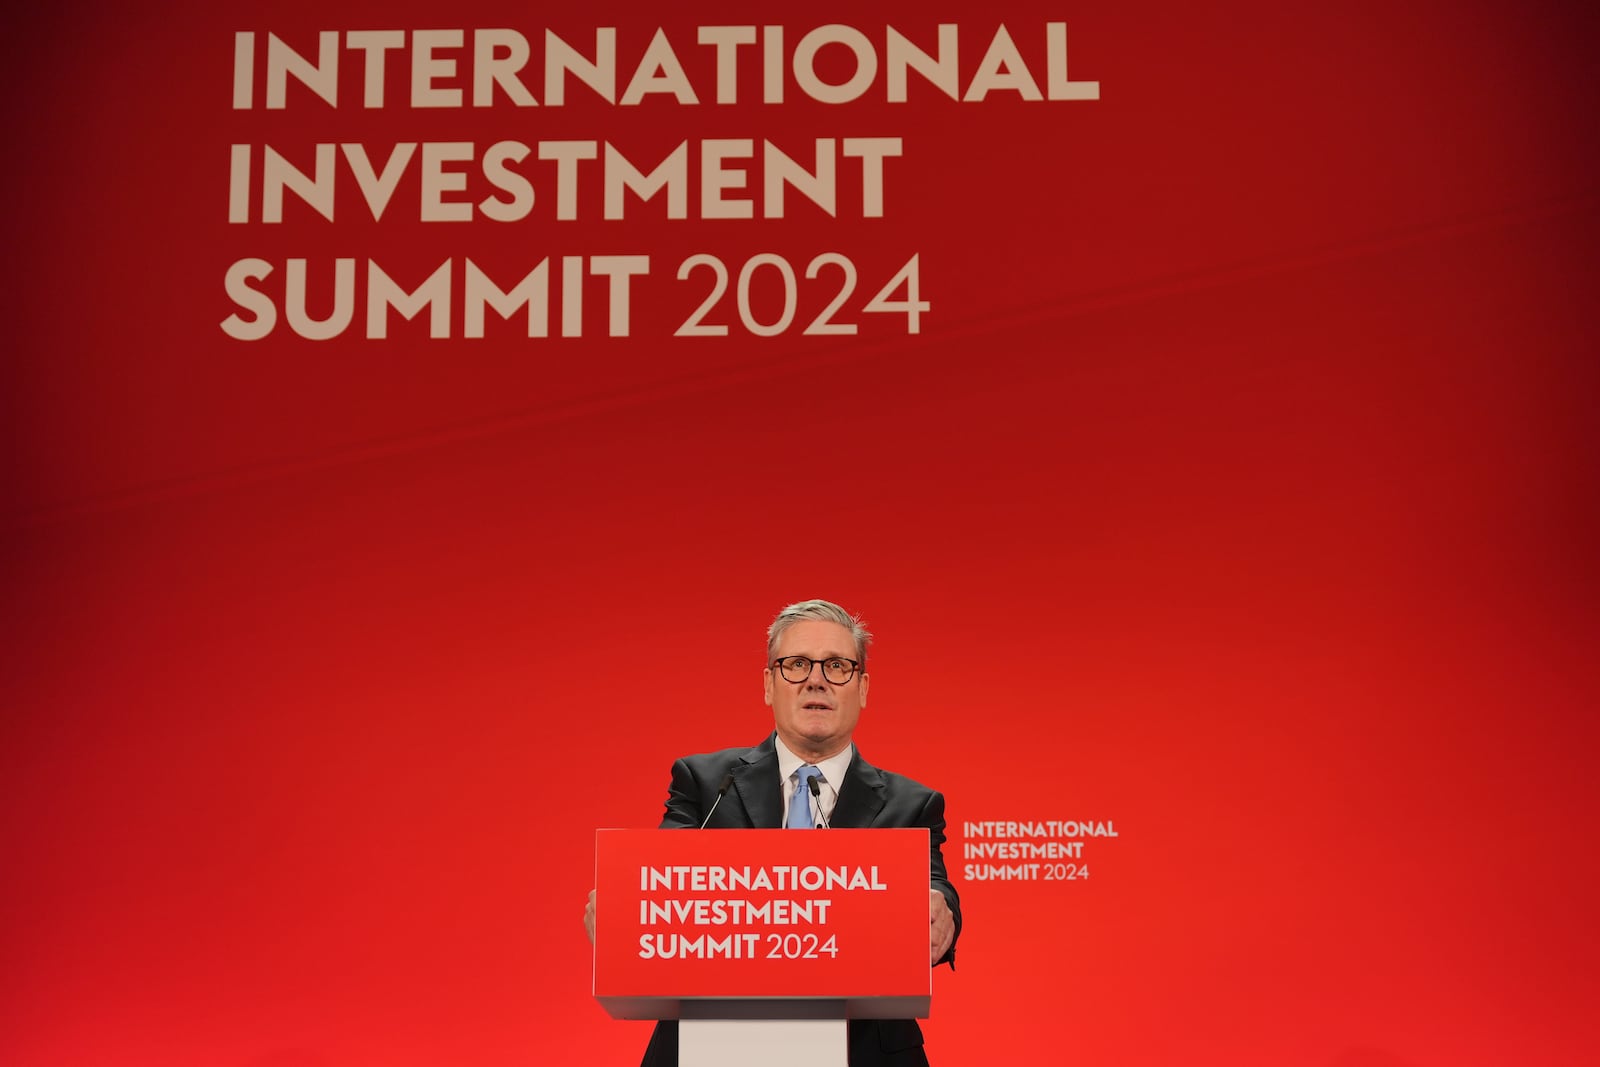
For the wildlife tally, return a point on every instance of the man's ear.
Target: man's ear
(766, 685)
(865, 681)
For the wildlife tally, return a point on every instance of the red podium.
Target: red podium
(762, 942)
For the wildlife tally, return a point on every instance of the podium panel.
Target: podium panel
(762, 924)
(767, 1042)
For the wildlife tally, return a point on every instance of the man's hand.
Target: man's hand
(588, 917)
(941, 925)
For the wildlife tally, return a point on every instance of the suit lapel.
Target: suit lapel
(861, 796)
(756, 782)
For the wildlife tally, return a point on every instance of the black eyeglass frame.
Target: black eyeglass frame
(783, 672)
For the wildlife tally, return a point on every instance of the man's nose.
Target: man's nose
(816, 680)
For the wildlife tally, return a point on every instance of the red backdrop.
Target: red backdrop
(1238, 490)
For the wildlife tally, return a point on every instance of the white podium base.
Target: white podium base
(762, 1043)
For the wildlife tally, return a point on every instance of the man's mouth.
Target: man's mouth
(818, 707)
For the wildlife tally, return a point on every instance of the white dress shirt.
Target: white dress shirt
(832, 769)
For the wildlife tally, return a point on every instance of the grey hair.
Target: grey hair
(823, 611)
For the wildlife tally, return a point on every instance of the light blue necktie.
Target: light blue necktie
(800, 804)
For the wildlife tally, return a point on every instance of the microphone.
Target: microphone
(727, 780)
(816, 793)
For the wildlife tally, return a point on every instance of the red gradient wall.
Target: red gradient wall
(1238, 489)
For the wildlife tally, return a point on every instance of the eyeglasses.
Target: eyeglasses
(798, 668)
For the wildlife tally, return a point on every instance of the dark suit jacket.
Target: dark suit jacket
(867, 797)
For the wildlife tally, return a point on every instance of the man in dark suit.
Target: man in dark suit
(816, 683)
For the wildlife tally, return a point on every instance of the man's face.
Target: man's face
(815, 718)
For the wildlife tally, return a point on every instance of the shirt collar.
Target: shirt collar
(832, 768)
